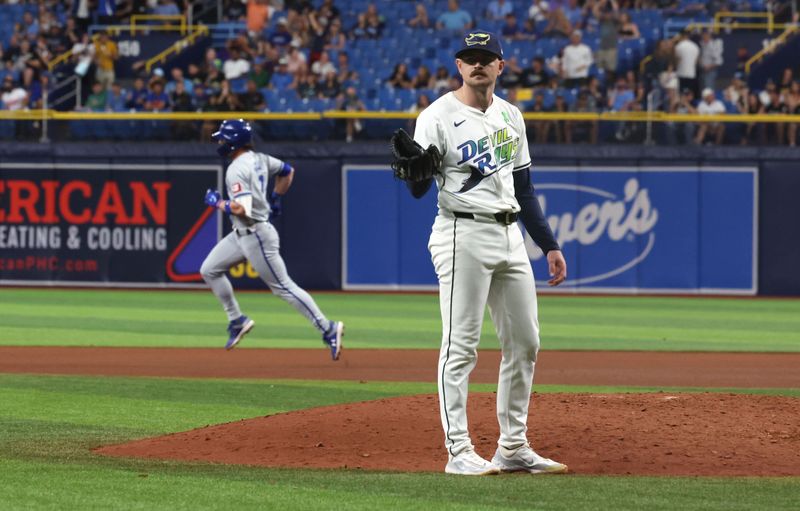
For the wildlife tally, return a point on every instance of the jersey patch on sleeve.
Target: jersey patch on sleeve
(236, 187)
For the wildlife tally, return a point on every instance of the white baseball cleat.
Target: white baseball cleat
(468, 463)
(525, 459)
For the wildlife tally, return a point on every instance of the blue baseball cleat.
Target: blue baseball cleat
(333, 338)
(237, 329)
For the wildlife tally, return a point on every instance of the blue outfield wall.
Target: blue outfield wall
(623, 229)
(652, 219)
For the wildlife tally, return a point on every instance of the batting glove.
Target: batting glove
(212, 197)
(275, 204)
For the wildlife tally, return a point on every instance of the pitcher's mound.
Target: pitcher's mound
(648, 434)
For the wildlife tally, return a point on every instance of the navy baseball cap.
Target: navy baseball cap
(480, 40)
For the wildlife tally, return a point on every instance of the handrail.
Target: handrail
(728, 14)
(643, 63)
(342, 114)
(769, 48)
(65, 56)
(71, 80)
(157, 17)
(177, 46)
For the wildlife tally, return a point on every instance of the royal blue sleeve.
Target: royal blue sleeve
(531, 212)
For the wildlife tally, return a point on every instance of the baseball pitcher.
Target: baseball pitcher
(253, 238)
(473, 144)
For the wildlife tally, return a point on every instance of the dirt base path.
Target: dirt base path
(643, 434)
(754, 370)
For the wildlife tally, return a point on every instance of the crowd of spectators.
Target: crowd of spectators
(46, 29)
(301, 48)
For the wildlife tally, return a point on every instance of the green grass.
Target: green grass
(49, 423)
(194, 319)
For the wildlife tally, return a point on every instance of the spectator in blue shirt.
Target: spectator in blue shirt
(621, 97)
(166, 8)
(105, 11)
(281, 37)
(177, 76)
(499, 9)
(157, 100)
(36, 91)
(573, 13)
(137, 96)
(30, 25)
(510, 29)
(117, 98)
(454, 19)
(281, 78)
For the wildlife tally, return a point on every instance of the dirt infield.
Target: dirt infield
(644, 434)
(640, 368)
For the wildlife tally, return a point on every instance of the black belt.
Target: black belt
(502, 217)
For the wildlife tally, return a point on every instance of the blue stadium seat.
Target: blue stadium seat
(432, 95)
(407, 98)
(238, 85)
(549, 97)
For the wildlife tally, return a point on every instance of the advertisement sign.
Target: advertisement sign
(105, 224)
(622, 229)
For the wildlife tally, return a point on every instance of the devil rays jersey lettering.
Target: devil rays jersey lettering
(481, 150)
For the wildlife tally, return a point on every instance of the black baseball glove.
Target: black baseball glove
(411, 161)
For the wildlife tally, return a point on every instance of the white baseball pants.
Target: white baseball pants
(480, 262)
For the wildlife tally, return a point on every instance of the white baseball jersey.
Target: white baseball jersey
(481, 150)
(249, 174)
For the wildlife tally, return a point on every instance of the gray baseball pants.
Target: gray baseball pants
(259, 245)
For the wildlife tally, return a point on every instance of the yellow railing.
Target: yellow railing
(137, 18)
(747, 15)
(177, 46)
(769, 48)
(135, 24)
(342, 114)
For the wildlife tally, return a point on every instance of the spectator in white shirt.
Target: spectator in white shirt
(686, 55)
(710, 58)
(576, 61)
(710, 105)
(538, 10)
(13, 97)
(323, 66)
(235, 66)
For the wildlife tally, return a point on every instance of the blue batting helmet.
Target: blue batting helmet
(232, 134)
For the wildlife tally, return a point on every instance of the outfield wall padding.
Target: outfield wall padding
(311, 226)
